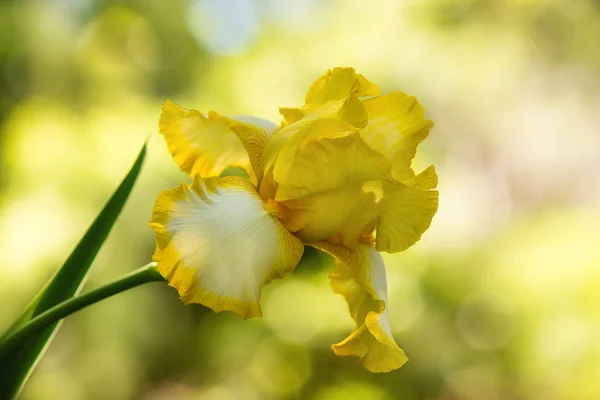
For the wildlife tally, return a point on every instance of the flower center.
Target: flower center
(275, 208)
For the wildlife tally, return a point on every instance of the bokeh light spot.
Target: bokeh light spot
(485, 322)
(297, 310)
(279, 368)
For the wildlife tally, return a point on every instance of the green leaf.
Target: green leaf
(17, 364)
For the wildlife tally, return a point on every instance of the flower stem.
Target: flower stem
(145, 274)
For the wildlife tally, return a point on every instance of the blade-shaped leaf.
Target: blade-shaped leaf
(17, 365)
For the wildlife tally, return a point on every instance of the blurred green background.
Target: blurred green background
(499, 300)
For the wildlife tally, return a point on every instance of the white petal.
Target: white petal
(218, 245)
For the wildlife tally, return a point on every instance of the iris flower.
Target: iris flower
(335, 174)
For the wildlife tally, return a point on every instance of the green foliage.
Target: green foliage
(17, 364)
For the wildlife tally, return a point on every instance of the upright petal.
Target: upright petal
(343, 213)
(205, 146)
(267, 186)
(253, 132)
(282, 147)
(337, 83)
(405, 211)
(335, 95)
(321, 180)
(360, 277)
(217, 244)
(396, 127)
(318, 162)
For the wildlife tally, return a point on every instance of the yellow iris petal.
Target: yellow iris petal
(320, 176)
(335, 95)
(205, 146)
(364, 87)
(360, 277)
(406, 211)
(396, 127)
(252, 132)
(343, 213)
(328, 156)
(330, 183)
(281, 151)
(217, 244)
(271, 152)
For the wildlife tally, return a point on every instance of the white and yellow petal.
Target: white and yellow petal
(218, 245)
(206, 145)
(360, 277)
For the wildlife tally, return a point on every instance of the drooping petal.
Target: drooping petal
(335, 95)
(360, 277)
(205, 145)
(405, 211)
(396, 127)
(217, 244)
